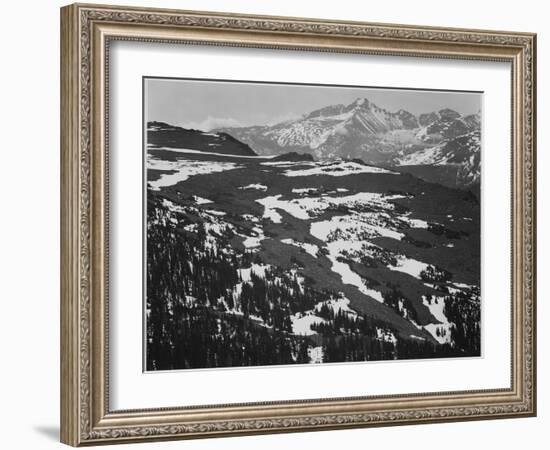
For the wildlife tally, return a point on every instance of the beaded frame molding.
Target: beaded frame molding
(86, 32)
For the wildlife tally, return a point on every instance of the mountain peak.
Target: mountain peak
(361, 104)
(361, 101)
(448, 114)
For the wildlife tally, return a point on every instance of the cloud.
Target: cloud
(282, 118)
(211, 123)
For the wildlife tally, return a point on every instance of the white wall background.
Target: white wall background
(29, 225)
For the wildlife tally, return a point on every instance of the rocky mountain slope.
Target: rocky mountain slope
(160, 134)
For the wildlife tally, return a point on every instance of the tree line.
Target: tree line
(202, 313)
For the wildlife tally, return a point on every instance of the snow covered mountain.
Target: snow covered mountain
(453, 162)
(364, 130)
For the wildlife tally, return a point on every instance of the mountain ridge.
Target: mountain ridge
(364, 130)
(162, 134)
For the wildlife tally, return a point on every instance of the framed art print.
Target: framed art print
(274, 224)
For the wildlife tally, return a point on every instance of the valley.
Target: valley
(288, 258)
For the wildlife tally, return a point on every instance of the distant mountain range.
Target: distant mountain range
(441, 146)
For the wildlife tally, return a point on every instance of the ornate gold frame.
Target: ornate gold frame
(86, 31)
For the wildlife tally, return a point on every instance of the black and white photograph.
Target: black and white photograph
(294, 224)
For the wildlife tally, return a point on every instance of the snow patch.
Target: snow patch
(200, 200)
(409, 266)
(171, 206)
(349, 276)
(255, 240)
(258, 187)
(250, 218)
(412, 336)
(308, 207)
(302, 322)
(427, 156)
(216, 213)
(304, 190)
(256, 269)
(286, 164)
(386, 336)
(184, 169)
(269, 204)
(440, 331)
(315, 354)
(366, 225)
(337, 169)
(414, 223)
(337, 304)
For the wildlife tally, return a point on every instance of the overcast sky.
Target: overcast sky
(206, 105)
